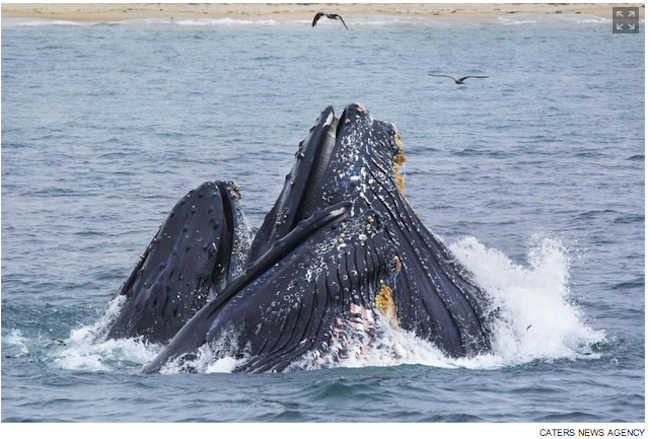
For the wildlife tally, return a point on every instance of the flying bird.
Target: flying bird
(459, 80)
(330, 16)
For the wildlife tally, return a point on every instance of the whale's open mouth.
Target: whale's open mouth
(341, 249)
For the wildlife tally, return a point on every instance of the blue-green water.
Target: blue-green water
(534, 177)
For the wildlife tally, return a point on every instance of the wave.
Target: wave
(203, 22)
(368, 21)
(547, 19)
(36, 22)
(225, 22)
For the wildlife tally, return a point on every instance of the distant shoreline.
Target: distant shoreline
(128, 11)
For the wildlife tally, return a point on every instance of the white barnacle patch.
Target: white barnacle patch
(361, 107)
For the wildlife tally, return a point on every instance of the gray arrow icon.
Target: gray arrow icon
(619, 26)
(631, 26)
(619, 13)
(631, 14)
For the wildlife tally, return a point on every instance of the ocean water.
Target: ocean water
(533, 177)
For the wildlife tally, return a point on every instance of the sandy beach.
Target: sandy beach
(126, 11)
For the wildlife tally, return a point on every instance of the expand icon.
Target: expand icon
(625, 20)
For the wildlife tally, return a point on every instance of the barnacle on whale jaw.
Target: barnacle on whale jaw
(398, 160)
(385, 304)
(398, 263)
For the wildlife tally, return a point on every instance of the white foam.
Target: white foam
(290, 23)
(219, 357)
(36, 22)
(199, 22)
(223, 365)
(100, 328)
(104, 356)
(358, 22)
(537, 317)
(17, 339)
(87, 348)
(548, 19)
(225, 22)
(395, 347)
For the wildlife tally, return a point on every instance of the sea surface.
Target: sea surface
(534, 177)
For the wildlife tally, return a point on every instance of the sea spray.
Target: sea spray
(537, 318)
(221, 356)
(17, 340)
(88, 349)
(99, 329)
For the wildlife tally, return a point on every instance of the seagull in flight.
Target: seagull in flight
(330, 16)
(460, 80)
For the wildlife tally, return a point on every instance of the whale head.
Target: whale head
(342, 159)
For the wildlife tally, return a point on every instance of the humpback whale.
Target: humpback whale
(199, 248)
(340, 257)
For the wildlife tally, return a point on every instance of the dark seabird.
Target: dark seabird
(330, 16)
(459, 80)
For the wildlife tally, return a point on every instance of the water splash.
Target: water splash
(218, 357)
(99, 329)
(106, 356)
(17, 340)
(537, 321)
(88, 349)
